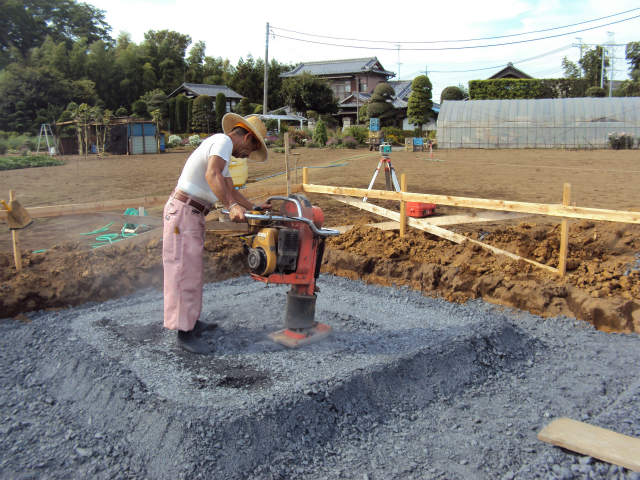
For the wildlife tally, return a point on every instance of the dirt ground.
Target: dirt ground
(602, 285)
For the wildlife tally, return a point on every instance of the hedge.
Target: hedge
(520, 88)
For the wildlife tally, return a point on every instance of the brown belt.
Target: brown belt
(183, 197)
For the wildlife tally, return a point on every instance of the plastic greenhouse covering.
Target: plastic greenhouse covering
(545, 123)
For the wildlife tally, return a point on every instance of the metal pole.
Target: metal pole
(612, 57)
(266, 72)
(602, 67)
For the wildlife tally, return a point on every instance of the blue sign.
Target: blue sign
(417, 141)
(374, 124)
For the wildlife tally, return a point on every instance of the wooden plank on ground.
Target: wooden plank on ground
(594, 441)
(438, 231)
(554, 210)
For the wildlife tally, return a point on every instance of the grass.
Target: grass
(28, 161)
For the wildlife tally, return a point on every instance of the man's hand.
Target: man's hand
(236, 213)
(262, 207)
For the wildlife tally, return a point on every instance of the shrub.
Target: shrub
(139, 108)
(298, 137)
(270, 140)
(121, 112)
(332, 142)
(619, 141)
(11, 163)
(3, 148)
(312, 145)
(359, 132)
(174, 140)
(195, 140)
(320, 133)
(451, 93)
(595, 92)
(349, 142)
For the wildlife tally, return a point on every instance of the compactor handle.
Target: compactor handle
(321, 232)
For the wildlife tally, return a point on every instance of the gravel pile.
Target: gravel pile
(405, 387)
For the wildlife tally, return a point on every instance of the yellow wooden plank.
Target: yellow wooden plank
(564, 232)
(252, 190)
(483, 203)
(437, 231)
(403, 206)
(594, 441)
(15, 242)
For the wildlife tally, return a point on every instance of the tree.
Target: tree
(248, 79)
(165, 50)
(632, 54)
(195, 63)
(380, 106)
(139, 109)
(591, 64)
(571, 70)
(221, 109)
(451, 93)
(320, 133)
(306, 92)
(244, 107)
(203, 117)
(419, 105)
(26, 23)
(28, 92)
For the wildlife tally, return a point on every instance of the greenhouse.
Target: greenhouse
(544, 123)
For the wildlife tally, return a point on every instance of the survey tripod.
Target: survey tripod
(391, 180)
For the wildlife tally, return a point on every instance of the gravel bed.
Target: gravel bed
(406, 387)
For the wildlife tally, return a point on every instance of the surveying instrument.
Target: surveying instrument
(391, 180)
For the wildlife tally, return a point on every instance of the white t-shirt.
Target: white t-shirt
(192, 181)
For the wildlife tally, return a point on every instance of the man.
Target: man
(205, 179)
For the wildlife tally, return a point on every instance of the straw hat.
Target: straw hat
(253, 124)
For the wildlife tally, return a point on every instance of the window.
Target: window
(363, 86)
(347, 86)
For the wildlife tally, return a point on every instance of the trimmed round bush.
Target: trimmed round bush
(195, 140)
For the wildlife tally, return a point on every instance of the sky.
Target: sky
(236, 29)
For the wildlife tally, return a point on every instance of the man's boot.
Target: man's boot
(202, 327)
(191, 343)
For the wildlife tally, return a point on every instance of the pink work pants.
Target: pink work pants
(182, 247)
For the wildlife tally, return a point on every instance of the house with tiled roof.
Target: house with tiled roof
(349, 107)
(193, 90)
(346, 76)
(509, 72)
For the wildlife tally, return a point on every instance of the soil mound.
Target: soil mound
(602, 285)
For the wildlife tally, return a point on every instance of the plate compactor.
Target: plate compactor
(288, 248)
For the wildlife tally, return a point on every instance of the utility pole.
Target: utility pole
(398, 45)
(266, 73)
(580, 46)
(602, 67)
(611, 56)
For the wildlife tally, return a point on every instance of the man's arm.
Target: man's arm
(222, 187)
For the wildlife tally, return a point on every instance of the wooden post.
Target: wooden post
(295, 167)
(286, 162)
(564, 232)
(305, 176)
(403, 206)
(15, 242)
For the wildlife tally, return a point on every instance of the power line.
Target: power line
(456, 41)
(557, 50)
(456, 48)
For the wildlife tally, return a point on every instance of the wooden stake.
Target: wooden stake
(286, 162)
(305, 176)
(564, 232)
(15, 242)
(403, 206)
